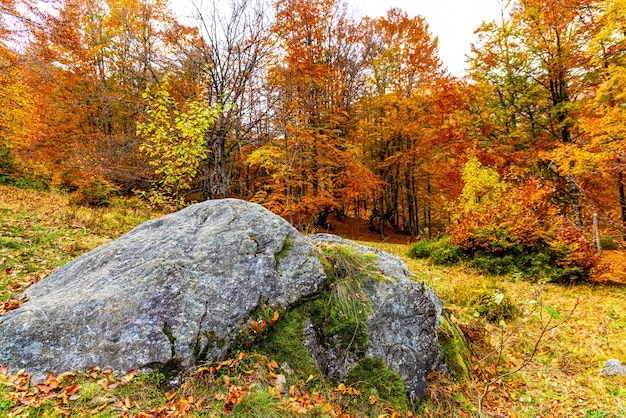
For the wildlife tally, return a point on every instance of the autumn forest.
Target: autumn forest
(308, 110)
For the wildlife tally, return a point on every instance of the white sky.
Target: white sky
(452, 21)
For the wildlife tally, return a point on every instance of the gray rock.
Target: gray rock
(402, 327)
(613, 367)
(172, 291)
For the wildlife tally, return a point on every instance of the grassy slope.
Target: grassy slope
(39, 232)
(564, 378)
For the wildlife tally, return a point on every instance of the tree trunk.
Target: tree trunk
(622, 198)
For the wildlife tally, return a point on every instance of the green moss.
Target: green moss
(285, 344)
(338, 313)
(455, 350)
(284, 251)
(373, 376)
(170, 337)
(339, 319)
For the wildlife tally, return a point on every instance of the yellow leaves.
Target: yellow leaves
(482, 185)
(347, 390)
(175, 139)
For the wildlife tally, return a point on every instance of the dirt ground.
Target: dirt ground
(359, 230)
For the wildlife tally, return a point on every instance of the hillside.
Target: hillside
(557, 336)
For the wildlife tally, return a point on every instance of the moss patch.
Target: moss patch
(338, 313)
(455, 349)
(374, 377)
(280, 255)
(285, 344)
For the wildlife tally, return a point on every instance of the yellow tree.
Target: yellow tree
(599, 157)
(536, 74)
(174, 140)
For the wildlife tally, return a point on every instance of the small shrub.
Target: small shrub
(495, 305)
(7, 161)
(608, 243)
(420, 249)
(97, 193)
(493, 264)
(445, 253)
(25, 182)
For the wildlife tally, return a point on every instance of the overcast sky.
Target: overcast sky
(452, 21)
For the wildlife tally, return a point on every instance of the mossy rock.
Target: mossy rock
(338, 316)
(371, 326)
(455, 349)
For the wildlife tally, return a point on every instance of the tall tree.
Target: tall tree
(229, 63)
(94, 58)
(599, 157)
(316, 86)
(536, 66)
(406, 108)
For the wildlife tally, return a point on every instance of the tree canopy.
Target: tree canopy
(308, 108)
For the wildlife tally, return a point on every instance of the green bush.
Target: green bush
(537, 265)
(494, 264)
(97, 193)
(25, 182)
(445, 253)
(608, 243)
(420, 249)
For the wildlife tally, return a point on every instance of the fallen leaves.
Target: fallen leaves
(231, 382)
(63, 390)
(18, 287)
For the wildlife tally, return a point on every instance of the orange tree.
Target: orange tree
(407, 124)
(507, 226)
(93, 59)
(310, 161)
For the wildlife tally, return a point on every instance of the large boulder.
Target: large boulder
(184, 288)
(174, 289)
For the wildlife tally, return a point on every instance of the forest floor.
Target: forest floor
(544, 359)
(360, 230)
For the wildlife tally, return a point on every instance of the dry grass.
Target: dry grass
(564, 379)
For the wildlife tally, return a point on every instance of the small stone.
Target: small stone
(286, 368)
(281, 383)
(613, 367)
